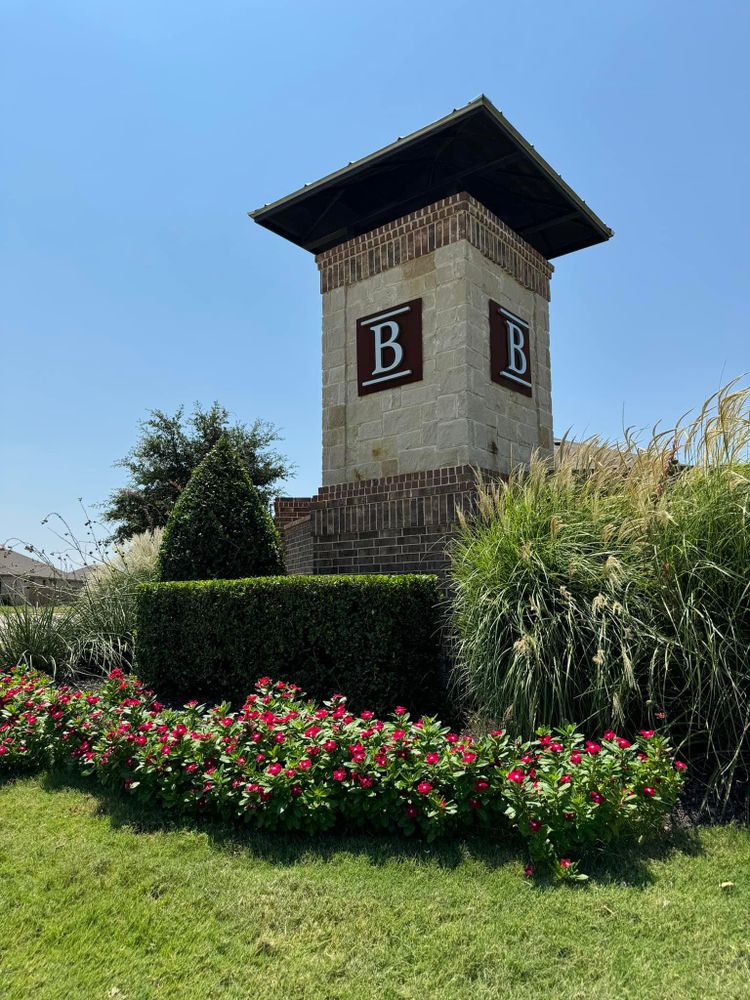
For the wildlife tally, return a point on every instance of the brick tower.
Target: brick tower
(434, 272)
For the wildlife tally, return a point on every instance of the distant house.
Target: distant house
(24, 580)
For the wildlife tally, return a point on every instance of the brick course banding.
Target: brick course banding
(458, 217)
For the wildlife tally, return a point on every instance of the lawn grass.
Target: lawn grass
(96, 901)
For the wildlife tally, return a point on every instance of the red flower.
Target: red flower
(623, 744)
(475, 803)
(610, 735)
(339, 774)
(534, 825)
(569, 816)
(273, 768)
(481, 785)
(329, 745)
(424, 788)
(468, 756)
(399, 710)
(575, 757)
(564, 863)
(597, 798)
(305, 764)
(516, 775)
(649, 792)
(646, 733)
(411, 812)
(366, 715)
(528, 871)
(296, 790)
(566, 779)
(680, 765)
(496, 732)
(592, 748)
(432, 758)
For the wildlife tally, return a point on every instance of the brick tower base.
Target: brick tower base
(398, 524)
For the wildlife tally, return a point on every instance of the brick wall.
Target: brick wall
(288, 509)
(298, 546)
(397, 524)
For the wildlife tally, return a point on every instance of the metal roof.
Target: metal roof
(474, 149)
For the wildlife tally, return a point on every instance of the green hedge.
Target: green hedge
(375, 637)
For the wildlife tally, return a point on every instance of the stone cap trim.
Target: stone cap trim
(458, 217)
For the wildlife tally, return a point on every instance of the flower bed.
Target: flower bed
(286, 763)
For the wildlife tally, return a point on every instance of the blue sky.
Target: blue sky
(137, 135)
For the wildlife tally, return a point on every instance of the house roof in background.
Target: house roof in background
(473, 149)
(16, 564)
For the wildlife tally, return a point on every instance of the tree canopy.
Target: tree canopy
(170, 447)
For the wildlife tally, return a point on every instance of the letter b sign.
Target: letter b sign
(510, 350)
(389, 348)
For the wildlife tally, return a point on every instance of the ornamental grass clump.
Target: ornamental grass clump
(286, 763)
(613, 587)
(94, 631)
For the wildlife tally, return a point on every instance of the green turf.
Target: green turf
(96, 903)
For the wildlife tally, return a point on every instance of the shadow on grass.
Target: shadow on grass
(626, 864)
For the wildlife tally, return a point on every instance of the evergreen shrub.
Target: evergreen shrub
(375, 636)
(220, 528)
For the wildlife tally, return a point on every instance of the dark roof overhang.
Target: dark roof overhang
(474, 149)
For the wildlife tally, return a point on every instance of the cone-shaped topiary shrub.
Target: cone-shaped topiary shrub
(220, 529)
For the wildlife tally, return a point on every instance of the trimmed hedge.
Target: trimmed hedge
(377, 637)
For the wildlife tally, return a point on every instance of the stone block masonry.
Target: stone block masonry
(455, 256)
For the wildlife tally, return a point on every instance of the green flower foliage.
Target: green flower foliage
(220, 529)
(287, 763)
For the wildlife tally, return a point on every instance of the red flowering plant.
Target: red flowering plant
(24, 707)
(283, 762)
(570, 792)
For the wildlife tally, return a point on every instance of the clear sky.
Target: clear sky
(137, 134)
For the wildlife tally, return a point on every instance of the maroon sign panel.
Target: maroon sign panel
(510, 350)
(389, 347)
